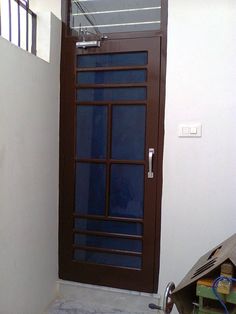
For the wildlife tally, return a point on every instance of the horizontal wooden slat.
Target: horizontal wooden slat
(113, 102)
(108, 234)
(118, 219)
(129, 85)
(93, 161)
(133, 269)
(111, 161)
(118, 68)
(103, 250)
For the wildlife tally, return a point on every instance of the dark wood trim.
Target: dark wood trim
(112, 161)
(99, 272)
(161, 133)
(125, 35)
(134, 270)
(94, 161)
(108, 234)
(110, 218)
(109, 149)
(128, 85)
(132, 35)
(67, 115)
(120, 68)
(146, 275)
(114, 102)
(103, 250)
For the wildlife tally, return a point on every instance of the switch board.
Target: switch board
(190, 130)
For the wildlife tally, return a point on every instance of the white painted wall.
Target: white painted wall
(199, 192)
(53, 6)
(29, 118)
(43, 9)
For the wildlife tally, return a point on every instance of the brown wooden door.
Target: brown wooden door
(109, 205)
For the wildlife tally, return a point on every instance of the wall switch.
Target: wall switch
(190, 130)
(193, 130)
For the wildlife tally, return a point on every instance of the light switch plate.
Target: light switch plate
(190, 130)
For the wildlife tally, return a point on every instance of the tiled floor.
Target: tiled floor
(62, 306)
(77, 298)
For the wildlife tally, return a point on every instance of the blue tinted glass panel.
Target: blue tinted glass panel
(108, 259)
(90, 188)
(109, 226)
(112, 77)
(128, 132)
(115, 59)
(126, 191)
(108, 243)
(91, 131)
(100, 94)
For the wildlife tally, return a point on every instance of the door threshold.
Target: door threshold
(100, 297)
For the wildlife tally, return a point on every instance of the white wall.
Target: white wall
(29, 118)
(43, 10)
(199, 192)
(53, 6)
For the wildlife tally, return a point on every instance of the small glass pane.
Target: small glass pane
(131, 228)
(128, 132)
(126, 191)
(109, 243)
(103, 94)
(108, 259)
(91, 131)
(115, 59)
(112, 77)
(90, 188)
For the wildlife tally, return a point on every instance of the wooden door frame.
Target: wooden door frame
(68, 46)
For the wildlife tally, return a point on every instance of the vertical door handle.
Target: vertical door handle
(151, 152)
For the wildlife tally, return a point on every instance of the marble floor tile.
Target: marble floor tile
(62, 306)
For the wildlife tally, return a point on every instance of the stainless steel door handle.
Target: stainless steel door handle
(151, 152)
